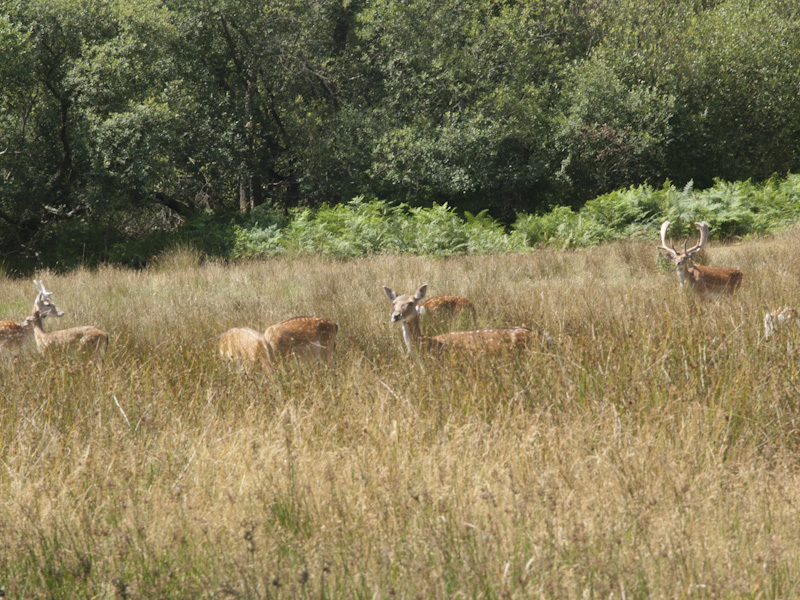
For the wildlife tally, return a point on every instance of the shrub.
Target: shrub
(730, 209)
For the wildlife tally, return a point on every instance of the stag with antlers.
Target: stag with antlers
(701, 280)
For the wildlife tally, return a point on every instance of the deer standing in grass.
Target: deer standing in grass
(701, 280)
(14, 336)
(245, 346)
(303, 336)
(494, 340)
(86, 339)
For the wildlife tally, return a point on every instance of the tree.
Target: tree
(611, 134)
(43, 164)
(462, 98)
(736, 76)
(266, 81)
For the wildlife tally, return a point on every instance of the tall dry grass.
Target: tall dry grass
(652, 452)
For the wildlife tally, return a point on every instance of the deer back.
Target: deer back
(13, 336)
(87, 339)
(713, 280)
(494, 340)
(448, 305)
(245, 345)
(302, 335)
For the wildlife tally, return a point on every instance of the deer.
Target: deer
(447, 308)
(701, 280)
(779, 319)
(493, 340)
(86, 339)
(15, 336)
(245, 346)
(303, 336)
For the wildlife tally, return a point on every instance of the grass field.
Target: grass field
(651, 452)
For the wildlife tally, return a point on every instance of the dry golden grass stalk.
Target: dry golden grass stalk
(651, 452)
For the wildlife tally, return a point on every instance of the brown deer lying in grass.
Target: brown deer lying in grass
(14, 336)
(313, 337)
(87, 339)
(493, 340)
(447, 310)
(245, 346)
(303, 336)
(702, 281)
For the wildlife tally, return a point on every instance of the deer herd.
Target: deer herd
(315, 337)
(14, 336)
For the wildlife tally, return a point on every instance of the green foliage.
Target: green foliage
(612, 132)
(368, 227)
(730, 209)
(362, 228)
(730, 69)
(112, 108)
(464, 98)
(215, 235)
(355, 229)
(735, 75)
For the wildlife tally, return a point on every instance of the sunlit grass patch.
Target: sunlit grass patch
(652, 447)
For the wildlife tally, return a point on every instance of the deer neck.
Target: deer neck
(36, 325)
(411, 334)
(685, 273)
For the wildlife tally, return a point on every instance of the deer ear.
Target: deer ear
(421, 292)
(390, 293)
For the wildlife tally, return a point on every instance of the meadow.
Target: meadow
(650, 452)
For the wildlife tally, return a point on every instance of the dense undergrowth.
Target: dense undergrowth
(369, 227)
(362, 228)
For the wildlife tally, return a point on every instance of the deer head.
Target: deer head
(404, 307)
(681, 259)
(701, 280)
(43, 305)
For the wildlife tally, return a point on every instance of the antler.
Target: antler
(703, 238)
(663, 245)
(42, 290)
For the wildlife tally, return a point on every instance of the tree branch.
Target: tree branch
(174, 205)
